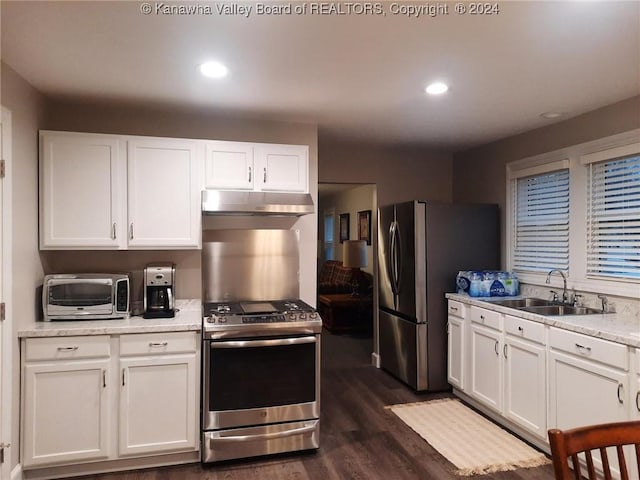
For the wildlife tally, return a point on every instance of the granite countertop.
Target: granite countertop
(609, 326)
(187, 318)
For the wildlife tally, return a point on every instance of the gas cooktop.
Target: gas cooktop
(259, 318)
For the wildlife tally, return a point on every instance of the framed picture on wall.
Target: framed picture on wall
(364, 226)
(344, 227)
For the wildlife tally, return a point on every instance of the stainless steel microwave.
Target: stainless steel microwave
(86, 296)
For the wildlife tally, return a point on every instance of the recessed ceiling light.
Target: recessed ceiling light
(213, 70)
(436, 88)
(551, 115)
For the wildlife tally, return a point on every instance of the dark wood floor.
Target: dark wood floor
(359, 439)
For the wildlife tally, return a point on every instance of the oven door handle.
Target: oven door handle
(265, 436)
(263, 343)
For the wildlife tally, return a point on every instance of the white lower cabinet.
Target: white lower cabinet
(486, 364)
(456, 331)
(525, 375)
(158, 395)
(77, 408)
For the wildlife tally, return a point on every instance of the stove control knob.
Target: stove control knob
(222, 320)
(313, 315)
(303, 316)
(292, 317)
(211, 319)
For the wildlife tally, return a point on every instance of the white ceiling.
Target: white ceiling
(356, 76)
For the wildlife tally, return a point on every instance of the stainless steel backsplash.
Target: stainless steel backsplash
(250, 265)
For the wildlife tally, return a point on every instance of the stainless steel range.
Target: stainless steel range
(261, 378)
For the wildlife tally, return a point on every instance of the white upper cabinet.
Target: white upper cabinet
(229, 165)
(282, 168)
(82, 191)
(118, 192)
(257, 167)
(163, 193)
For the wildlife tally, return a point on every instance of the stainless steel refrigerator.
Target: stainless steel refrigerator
(422, 245)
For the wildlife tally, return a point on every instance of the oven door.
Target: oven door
(260, 381)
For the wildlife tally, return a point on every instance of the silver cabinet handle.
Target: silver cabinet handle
(638, 400)
(453, 309)
(520, 329)
(264, 177)
(249, 174)
(104, 378)
(123, 373)
(158, 344)
(131, 231)
(495, 347)
(67, 349)
(620, 399)
(481, 317)
(113, 231)
(582, 347)
(504, 350)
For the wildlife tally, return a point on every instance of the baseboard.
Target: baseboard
(16, 473)
(375, 360)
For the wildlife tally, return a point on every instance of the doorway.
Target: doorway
(348, 211)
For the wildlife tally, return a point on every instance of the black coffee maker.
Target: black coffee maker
(159, 290)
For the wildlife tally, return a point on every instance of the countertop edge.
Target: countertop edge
(607, 326)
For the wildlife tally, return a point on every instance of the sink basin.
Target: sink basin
(523, 302)
(554, 310)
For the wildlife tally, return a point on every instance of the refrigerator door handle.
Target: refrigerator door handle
(399, 255)
(393, 257)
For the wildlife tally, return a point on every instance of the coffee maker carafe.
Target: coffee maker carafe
(159, 290)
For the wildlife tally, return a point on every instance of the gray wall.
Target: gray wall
(400, 173)
(479, 174)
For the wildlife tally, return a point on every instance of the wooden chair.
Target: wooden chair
(569, 443)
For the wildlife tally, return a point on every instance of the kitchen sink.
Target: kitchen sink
(523, 302)
(553, 310)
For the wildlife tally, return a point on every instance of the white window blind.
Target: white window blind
(541, 223)
(613, 218)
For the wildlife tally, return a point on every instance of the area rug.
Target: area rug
(475, 445)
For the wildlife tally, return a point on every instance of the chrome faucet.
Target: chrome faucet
(565, 296)
(605, 303)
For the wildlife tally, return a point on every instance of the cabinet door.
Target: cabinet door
(82, 189)
(66, 416)
(229, 165)
(456, 357)
(584, 393)
(486, 366)
(164, 193)
(282, 168)
(525, 385)
(159, 401)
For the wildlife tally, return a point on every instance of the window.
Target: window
(329, 222)
(578, 210)
(542, 222)
(613, 218)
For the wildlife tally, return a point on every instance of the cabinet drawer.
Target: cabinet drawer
(603, 351)
(457, 309)
(158, 343)
(526, 329)
(487, 318)
(64, 348)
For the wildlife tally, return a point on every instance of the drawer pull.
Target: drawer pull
(620, 399)
(481, 317)
(453, 309)
(520, 329)
(67, 349)
(582, 347)
(638, 400)
(158, 344)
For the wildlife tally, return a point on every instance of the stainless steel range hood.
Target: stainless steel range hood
(228, 202)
